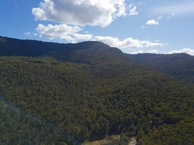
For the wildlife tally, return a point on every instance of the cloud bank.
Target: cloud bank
(155, 51)
(81, 12)
(183, 50)
(74, 34)
(126, 43)
(62, 31)
(71, 17)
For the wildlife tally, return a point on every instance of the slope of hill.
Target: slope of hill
(86, 91)
(180, 66)
(85, 51)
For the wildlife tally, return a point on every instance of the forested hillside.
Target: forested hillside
(73, 94)
(180, 66)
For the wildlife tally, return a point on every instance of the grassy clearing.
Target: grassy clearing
(111, 140)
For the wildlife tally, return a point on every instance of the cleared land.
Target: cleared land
(114, 140)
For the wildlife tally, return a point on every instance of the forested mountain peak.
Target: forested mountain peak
(79, 52)
(70, 93)
(18, 45)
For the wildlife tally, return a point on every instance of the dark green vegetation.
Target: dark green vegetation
(180, 66)
(68, 93)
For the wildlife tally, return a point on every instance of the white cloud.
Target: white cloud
(152, 22)
(126, 43)
(62, 31)
(183, 50)
(84, 37)
(132, 10)
(139, 50)
(81, 12)
(73, 34)
(73, 15)
(154, 51)
(183, 8)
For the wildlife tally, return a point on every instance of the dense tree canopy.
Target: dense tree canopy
(180, 66)
(87, 93)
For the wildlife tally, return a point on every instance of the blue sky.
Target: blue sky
(134, 26)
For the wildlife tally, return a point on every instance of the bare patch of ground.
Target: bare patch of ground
(114, 140)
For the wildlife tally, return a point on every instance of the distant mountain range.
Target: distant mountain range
(53, 93)
(181, 65)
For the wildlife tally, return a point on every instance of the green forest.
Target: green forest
(89, 93)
